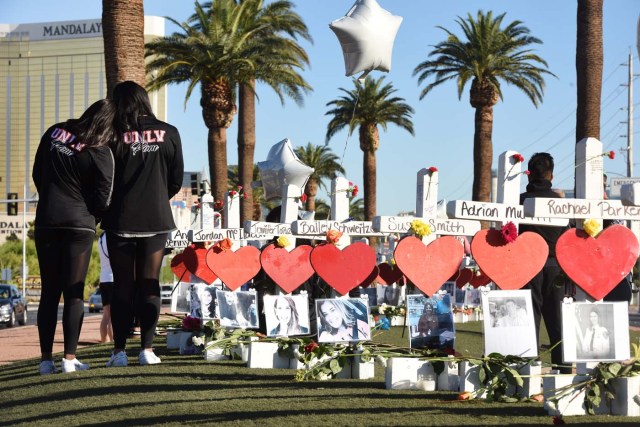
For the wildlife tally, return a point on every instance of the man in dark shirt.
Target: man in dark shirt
(547, 296)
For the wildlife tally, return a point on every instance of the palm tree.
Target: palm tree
(488, 55)
(216, 49)
(276, 19)
(589, 58)
(325, 165)
(322, 210)
(258, 193)
(123, 38)
(368, 106)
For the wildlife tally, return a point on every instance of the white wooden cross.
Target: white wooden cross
(426, 209)
(338, 218)
(588, 203)
(507, 208)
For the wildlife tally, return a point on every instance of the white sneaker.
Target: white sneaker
(47, 367)
(148, 358)
(119, 359)
(73, 365)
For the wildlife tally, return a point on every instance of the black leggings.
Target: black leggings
(136, 263)
(63, 256)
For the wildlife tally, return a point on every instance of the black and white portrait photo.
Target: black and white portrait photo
(508, 312)
(343, 320)
(237, 309)
(390, 295)
(208, 299)
(508, 323)
(286, 315)
(430, 321)
(472, 298)
(595, 331)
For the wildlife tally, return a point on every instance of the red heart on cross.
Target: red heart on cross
(428, 267)
(234, 268)
(288, 269)
(388, 274)
(195, 261)
(509, 265)
(464, 276)
(345, 269)
(598, 264)
(179, 269)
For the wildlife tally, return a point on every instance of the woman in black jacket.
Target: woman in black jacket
(73, 173)
(149, 169)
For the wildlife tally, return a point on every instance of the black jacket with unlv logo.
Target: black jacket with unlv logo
(74, 183)
(149, 169)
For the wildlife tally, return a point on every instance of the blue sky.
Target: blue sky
(443, 123)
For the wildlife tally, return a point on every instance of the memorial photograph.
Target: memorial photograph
(430, 321)
(286, 315)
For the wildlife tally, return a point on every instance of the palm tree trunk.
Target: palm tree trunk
(589, 57)
(369, 183)
(123, 38)
(246, 146)
(217, 142)
(482, 154)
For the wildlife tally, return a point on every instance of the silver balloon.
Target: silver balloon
(282, 167)
(366, 35)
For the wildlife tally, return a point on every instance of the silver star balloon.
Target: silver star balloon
(282, 167)
(366, 35)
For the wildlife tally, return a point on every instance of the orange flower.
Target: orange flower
(225, 244)
(538, 397)
(465, 395)
(333, 236)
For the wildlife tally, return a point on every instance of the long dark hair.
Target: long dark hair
(95, 127)
(132, 102)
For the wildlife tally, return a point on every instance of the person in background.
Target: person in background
(148, 172)
(546, 296)
(73, 174)
(106, 290)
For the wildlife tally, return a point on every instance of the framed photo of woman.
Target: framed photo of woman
(286, 315)
(430, 321)
(343, 320)
(237, 309)
(595, 332)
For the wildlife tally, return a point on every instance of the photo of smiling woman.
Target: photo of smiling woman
(286, 315)
(343, 319)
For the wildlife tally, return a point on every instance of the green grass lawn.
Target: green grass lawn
(186, 390)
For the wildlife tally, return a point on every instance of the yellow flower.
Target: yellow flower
(420, 229)
(282, 242)
(592, 227)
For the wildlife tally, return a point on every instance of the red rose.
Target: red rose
(354, 192)
(509, 232)
(527, 173)
(557, 420)
(218, 204)
(433, 169)
(232, 193)
(517, 158)
(611, 154)
(303, 198)
(310, 347)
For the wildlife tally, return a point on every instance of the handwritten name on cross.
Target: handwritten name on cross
(338, 218)
(426, 210)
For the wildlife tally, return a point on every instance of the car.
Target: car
(13, 307)
(95, 302)
(165, 293)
